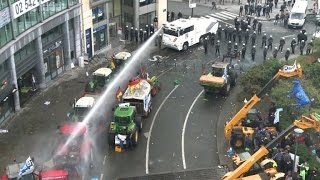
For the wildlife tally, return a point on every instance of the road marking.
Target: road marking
(104, 160)
(101, 176)
(165, 72)
(184, 129)
(229, 14)
(288, 36)
(150, 131)
(218, 17)
(220, 14)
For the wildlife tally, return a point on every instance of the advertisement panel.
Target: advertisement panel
(4, 17)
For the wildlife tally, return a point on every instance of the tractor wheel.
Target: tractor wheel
(139, 123)
(135, 138)
(154, 91)
(226, 89)
(111, 137)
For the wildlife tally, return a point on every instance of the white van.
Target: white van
(298, 14)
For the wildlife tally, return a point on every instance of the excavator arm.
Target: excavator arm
(311, 122)
(286, 71)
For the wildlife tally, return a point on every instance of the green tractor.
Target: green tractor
(124, 129)
(101, 78)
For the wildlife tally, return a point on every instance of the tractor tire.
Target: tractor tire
(111, 137)
(135, 138)
(226, 89)
(185, 46)
(138, 121)
(154, 91)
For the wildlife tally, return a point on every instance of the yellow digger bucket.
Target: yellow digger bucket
(118, 149)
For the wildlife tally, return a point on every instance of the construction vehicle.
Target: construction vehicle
(140, 92)
(234, 130)
(124, 128)
(306, 122)
(100, 79)
(221, 78)
(117, 60)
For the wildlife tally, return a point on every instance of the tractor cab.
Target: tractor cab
(119, 59)
(81, 108)
(101, 78)
(219, 69)
(124, 116)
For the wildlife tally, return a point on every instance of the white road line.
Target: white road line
(101, 176)
(164, 72)
(229, 14)
(227, 17)
(152, 123)
(218, 17)
(288, 36)
(184, 129)
(104, 160)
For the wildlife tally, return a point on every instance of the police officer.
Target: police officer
(275, 52)
(264, 40)
(131, 34)
(219, 32)
(259, 7)
(218, 48)
(126, 33)
(155, 21)
(293, 45)
(230, 32)
(243, 51)
(253, 38)
(234, 34)
(246, 36)
(160, 40)
(172, 16)
(249, 20)
(282, 43)
(259, 27)
(265, 52)
(270, 41)
(136, 34)
(212, 38)
(147, 29)
(141, 35)
(246, 8)
(239, 36)
(253, 52)
(286, 55)
(235, 48)
(226, 32)
(145, 36)
(309, 47)
(302, 44)
(229, 47)
(151, 29)
(205, 45)
(255, 22)
(179, 15)
(299, 36)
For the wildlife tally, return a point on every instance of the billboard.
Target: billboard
(192, 3)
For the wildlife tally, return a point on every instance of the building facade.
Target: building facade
(38, 41)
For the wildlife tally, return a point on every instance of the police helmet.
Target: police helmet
(220, 26)
(254, 46)
(140, 29)
(127, 26)
(275, 47)
(243, 44)
(136, 28)
(218, 41)
(151, 24)
(254, 32)
(247, 30)
(294, 38)
(270, 35)
(288, 49)
(236, 44)
(311, 41)
(302, 40)
(282, 37)
(229, 42)
(131, 27)
(265, 34)
(147, 25)
(266, 47)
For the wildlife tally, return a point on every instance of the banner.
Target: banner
(277, 115)
(27, 168)
(292, 68)
(298, 92)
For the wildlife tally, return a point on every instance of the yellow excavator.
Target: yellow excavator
(306, 122)
(235, 127)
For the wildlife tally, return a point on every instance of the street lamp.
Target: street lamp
(297, 133)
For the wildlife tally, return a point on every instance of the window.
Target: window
(52, 35)
(54, 6)
(110, 10)
(128, 3)
(5, 34)
(146, 2)
(3, 4)
(98, 14)
(27, 20)
(170, 32)
(189, 29)
(73, 2)
(117, 7)
(26, 52)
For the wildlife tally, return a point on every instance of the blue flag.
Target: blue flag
(26, 168)
(299, 93)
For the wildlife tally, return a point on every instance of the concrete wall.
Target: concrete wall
(162, 8)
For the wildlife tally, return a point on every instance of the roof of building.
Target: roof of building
(85, 102)
(122, 55)
(102, 72)
(138, 91)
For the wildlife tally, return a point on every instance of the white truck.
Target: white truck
(182, 33)
(298, 14)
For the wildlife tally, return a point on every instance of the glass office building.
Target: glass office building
(38, 41)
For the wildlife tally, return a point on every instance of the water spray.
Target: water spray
(114, 83)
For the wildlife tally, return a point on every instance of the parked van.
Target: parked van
(298, 14)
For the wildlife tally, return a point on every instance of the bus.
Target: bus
(183, 33)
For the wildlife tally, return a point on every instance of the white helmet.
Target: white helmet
(254, 46)
(266, 47)
(254, 32)
(270, 35)
(275, 47)
(288, 49)
(282, 37)
(229, 42)
(236, 44)
(265, 34)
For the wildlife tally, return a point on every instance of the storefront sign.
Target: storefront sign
(23, 6)
(88, 43)
(4, 17)
(99, 28)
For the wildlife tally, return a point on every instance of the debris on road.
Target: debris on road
(46, 103)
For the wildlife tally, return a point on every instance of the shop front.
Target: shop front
(100, 37)
(53, 60)
(6, 100)
(27, 85)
